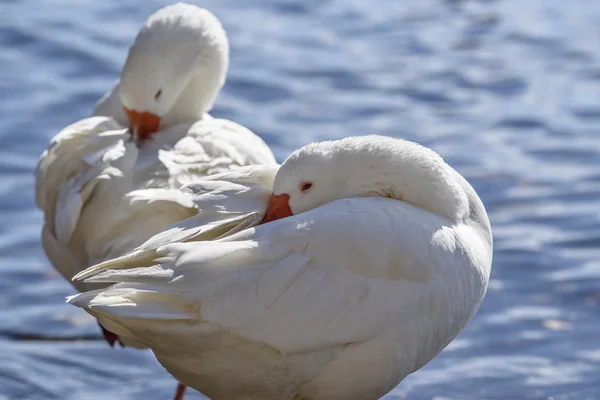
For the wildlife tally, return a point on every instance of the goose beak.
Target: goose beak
(279, 207)
(142, 124)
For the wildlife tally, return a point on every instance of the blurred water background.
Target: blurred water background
(507, 91)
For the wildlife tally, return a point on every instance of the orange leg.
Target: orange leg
(180, 392)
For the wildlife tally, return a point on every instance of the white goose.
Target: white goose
(384, 256)
(102, 193)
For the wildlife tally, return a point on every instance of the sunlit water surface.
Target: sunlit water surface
(508, 92)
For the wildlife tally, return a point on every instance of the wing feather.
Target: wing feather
(288, 284)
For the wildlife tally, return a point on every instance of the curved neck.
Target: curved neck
(439, 196)
(411, 173)
(196, 98)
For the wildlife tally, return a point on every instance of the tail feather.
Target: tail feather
(146, 254)
(128, 302)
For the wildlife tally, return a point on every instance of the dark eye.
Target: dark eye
(305, 186)
(157, 95)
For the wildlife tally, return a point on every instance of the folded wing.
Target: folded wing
(346, 272)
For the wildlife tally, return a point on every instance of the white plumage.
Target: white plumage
(386, 258)
(102, 193)
(102, 196)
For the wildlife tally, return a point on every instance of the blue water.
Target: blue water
(507, 91)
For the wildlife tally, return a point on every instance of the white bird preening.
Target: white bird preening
(173, 72)
(375, 255)
(103, 194)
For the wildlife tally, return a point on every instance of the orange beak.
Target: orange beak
(279, 207)
(142, 124)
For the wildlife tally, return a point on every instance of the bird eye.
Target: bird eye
(305, 186)
(157, 95)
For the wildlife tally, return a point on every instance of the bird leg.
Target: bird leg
(110, 337)
(180, 392)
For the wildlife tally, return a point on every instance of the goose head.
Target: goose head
(366, 166)
(174, 69)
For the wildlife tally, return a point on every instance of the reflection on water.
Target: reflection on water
(507, 91)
